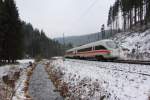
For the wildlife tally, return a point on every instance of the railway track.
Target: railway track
(140, 62)
(132, 62)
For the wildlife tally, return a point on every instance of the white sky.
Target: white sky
(71, 17)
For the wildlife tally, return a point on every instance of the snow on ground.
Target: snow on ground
(25, 61)
(19, 89)
(22, 64)
(9, 70)
(4, 70)
(129, 40)
(20, 93)
(111, 81)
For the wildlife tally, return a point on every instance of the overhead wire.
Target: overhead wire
(92, 4)
(88, 9)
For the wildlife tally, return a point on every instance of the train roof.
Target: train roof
(89, 45)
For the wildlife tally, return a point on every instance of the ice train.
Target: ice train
(101, 50)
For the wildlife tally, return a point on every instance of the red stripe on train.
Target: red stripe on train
(95, 51)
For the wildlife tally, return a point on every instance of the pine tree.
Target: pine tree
(12, 46)
(3, 19)
(109, 17)
(134, 12)
(147, 16)
(1, 31)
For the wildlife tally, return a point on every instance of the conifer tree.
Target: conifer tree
(147, 16)
(12, 46)
(134, 12)
(1, 32)
(2, 28)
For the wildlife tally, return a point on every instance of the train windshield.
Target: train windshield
(111, 44)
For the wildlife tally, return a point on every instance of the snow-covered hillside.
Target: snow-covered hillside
(90, 80)
(135, 44)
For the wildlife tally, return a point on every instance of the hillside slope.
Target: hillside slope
(83, 39)
(135, 45)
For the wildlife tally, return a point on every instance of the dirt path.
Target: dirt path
(41, 88)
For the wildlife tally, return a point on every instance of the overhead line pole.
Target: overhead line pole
(64, 41)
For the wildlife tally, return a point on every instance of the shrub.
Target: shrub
(38, 58)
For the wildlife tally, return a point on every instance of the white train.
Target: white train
(101, 50)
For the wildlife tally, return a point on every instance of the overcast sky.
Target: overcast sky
(71, 17)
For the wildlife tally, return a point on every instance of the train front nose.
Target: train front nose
(115, 53)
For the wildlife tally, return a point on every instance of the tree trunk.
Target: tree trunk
(124, 23)
(141, 15)
(131, 19)
(135, 13)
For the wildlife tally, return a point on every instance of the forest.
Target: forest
(19, 39)
(134, 14)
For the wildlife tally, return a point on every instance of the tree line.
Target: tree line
(134, 13)
(10, 31)
(36, 43)
(19, 39)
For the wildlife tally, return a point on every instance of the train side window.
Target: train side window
(70, 52)
(100, 47)
(85, 49)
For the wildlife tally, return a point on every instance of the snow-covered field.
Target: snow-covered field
(19, 89)
(19, 84)
(22, 64)
(132, 40)
(25, 61)
(89, 80)
(20, 93)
